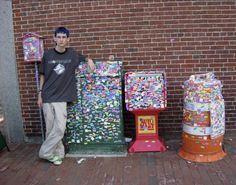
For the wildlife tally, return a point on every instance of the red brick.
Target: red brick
(182, 37)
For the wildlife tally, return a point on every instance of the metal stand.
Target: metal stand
(147, 138)
(40, 110)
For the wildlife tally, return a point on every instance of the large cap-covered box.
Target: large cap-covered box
(203, 119)
(95, 121)
(146, 97)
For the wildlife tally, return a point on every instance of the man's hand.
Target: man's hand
(40, 101)
(91, 64)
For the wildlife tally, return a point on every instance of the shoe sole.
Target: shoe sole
(59, 162)
(54, 159)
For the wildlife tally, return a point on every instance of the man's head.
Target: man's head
(61, 37)
(62, 30)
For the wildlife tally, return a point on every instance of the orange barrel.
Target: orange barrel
(203, 119)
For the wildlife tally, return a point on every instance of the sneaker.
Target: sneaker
(58, 162)
(55, 160)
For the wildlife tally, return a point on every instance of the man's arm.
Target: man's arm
(40, 100)
(91, 64)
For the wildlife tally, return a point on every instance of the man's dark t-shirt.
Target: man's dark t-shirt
(59, 75)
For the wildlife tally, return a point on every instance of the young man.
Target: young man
(57, 87)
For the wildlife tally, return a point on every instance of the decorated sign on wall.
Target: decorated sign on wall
(33, 47)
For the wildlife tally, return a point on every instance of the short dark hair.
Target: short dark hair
(62, 30)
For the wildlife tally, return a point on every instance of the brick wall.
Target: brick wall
(183, 37)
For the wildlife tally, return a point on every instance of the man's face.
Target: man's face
(61, 39)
